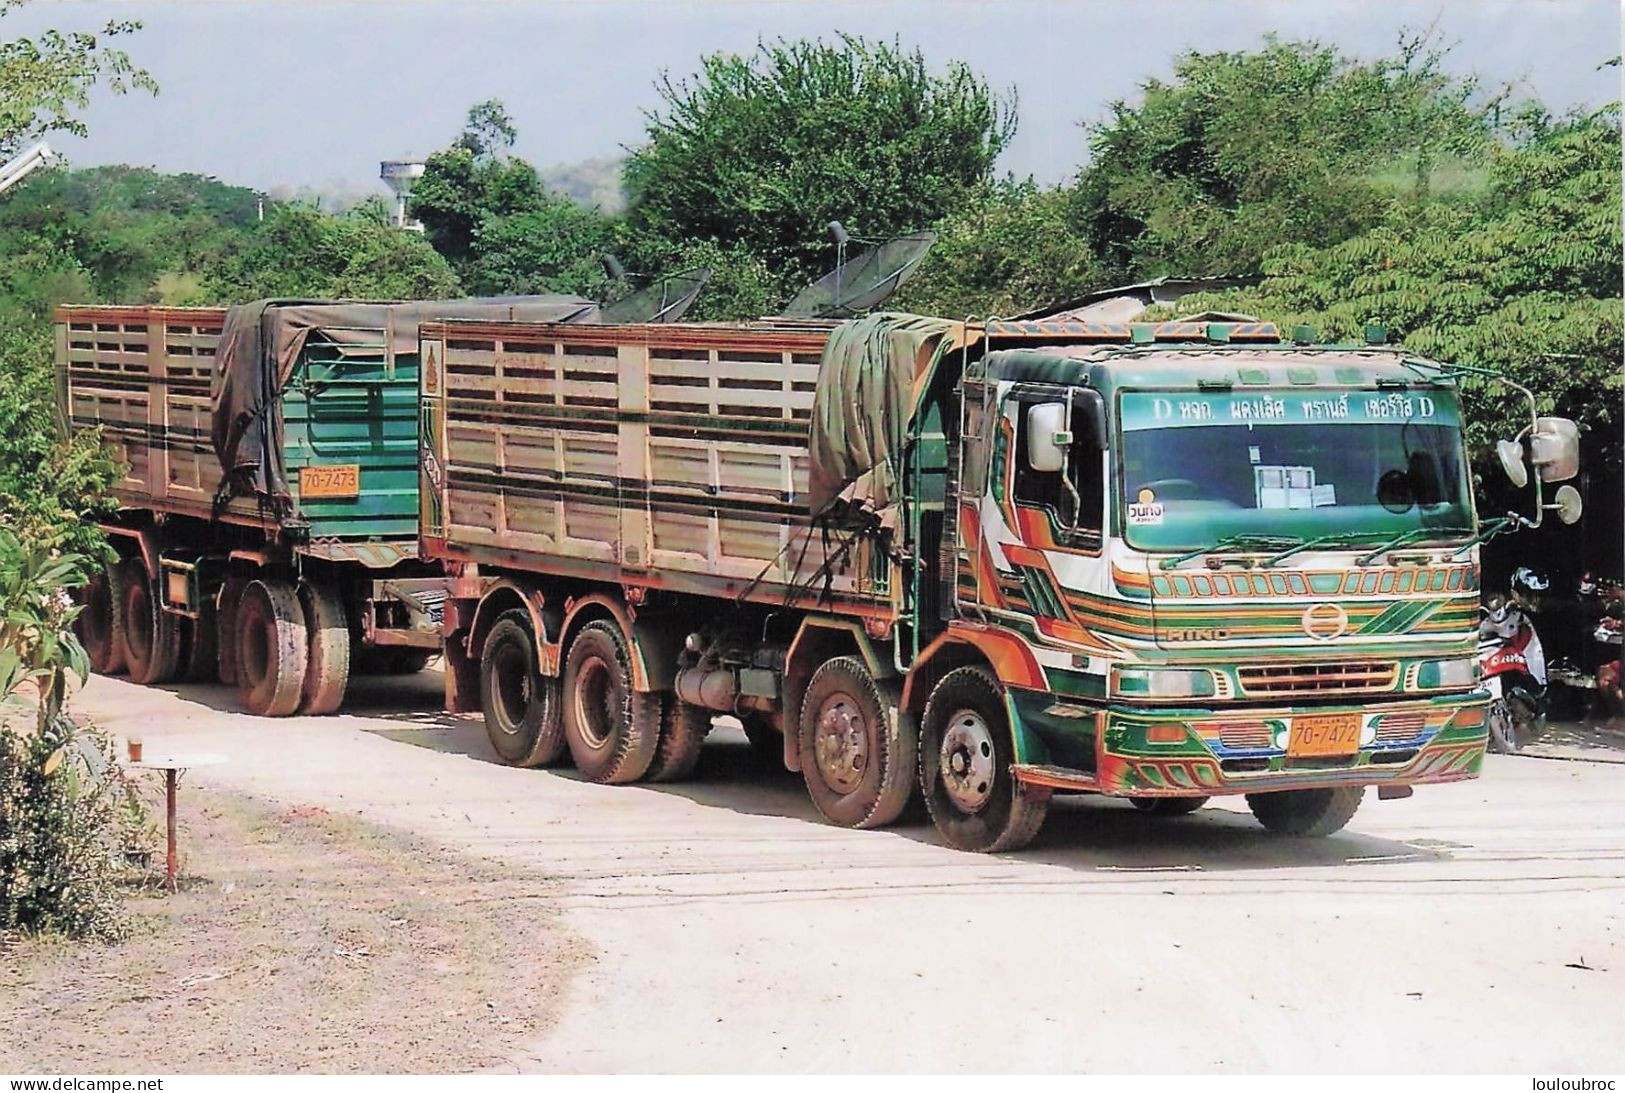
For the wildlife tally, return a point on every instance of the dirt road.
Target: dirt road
(1470, 928)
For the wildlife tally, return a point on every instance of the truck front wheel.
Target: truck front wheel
(613, 730)
(272, 649)
(857, 765)
(1314, 813)
(521, 706)
(965, 767)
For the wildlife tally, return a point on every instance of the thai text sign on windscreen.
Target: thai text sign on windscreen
(1157, 410)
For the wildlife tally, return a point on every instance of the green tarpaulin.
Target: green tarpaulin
(862, 407)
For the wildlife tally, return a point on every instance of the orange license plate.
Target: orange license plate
(1331, 734)
(332, 480)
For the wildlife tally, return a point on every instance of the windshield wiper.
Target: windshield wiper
(1411, 536)
(1257, 542)
(1342, 539)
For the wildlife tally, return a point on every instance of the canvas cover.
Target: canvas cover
(260, 344)
(862, 406)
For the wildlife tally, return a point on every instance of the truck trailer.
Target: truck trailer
(267, 524)
(994, 561)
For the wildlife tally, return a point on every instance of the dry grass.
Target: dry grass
(299, 942)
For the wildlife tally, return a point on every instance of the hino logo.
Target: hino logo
(1196, 633)
(1325, 621)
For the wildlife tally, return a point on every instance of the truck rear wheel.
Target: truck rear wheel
(613, 730)
(327, 668)
(683, 728)
(1168, 806)
(1313, 813)
(272, 649)
(202, 659)
(966, 757)
(521, 706)
(225, 628)
(858, 766)
(100, 622)
(152, 636)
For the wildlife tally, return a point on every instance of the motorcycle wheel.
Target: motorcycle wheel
(1503, 734)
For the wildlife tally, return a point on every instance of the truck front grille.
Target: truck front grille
(1314, 680)
(1246, 735)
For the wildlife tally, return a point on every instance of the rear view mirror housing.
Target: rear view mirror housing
(1554, 449)
(1049, 435)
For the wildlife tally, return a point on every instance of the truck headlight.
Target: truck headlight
(1438, 674)
(1163, 682)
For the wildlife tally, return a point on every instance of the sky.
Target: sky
(293, 93)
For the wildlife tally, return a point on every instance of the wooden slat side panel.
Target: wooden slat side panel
(143, 376)
(683, 454)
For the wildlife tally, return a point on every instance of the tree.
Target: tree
(1242, 152)
(1525, 281)
(1012, 249)
(44, 80)
(489, 214)
(762, 151)
(489, 131)
(299, 251)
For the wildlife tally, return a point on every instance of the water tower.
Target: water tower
(400, 175)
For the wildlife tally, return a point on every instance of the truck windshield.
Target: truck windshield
(1201, 468)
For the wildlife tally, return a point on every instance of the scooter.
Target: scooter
(1513, 666)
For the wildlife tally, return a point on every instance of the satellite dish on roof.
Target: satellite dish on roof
(661, 301)
(864, 281)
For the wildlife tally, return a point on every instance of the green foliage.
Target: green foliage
(57, 820)
(762, 151)
(52, 485)
(1013, 248)
(492, 218)
(117, 234)
(1525, 281)
(1243, 152)
(37, 644)
(741, 287)
(58, 834)
(299, 251)
(44, 80)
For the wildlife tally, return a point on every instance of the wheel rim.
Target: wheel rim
(138, 612)
(968, 761)
(592, 697)
(513, 688)
(842, 745)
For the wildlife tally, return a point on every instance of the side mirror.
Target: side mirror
(1554, 449)
(1567, 504)
(1049, 435)
(1510, 454)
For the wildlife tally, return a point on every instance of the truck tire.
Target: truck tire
(202, 644)
(521, 706)
(857, 764)
(100, 622)
(152, 636)
(1168, 806)
(225, 628)
(613, 731)
(683, 729)
(327, 667)
(966, 757)
(1311, 813)
(272, 648)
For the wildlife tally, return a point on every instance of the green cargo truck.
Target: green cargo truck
(267, 523)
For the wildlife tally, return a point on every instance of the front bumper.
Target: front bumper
(1241, 750)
